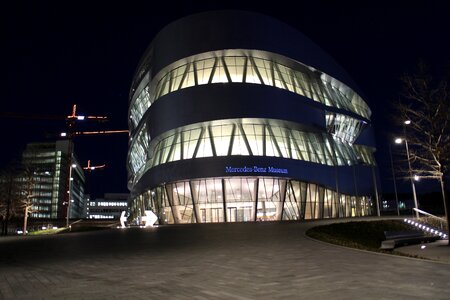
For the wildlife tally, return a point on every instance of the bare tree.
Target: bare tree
(8, 195)
(425, 102)
(24, 203)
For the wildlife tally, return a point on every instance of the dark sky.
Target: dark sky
(54, 54)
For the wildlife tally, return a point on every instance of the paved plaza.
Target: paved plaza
(216, 261)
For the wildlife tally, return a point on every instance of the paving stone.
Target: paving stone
(216, 261)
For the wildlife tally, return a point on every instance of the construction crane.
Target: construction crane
(73, 116)
(90, 168)
(69, 134)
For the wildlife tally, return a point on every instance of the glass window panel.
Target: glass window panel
(269, 199)
(208, 198)
(291, 210)
(286, 74)
(235, 67)
(182, 207)
(282, 140)
(221, 137)
(251, 75)
(239, 146)
(166, 144)
(204, 69)
(302, 84)
(177, 75)
(190, 140)
(264, 69)
(205, 148)
(164, 85)
(189, 80)
(239, 189)
(278, 79)
(220, 73)
(255, 137)
(239, 196)
(271, 148)
(175, 152)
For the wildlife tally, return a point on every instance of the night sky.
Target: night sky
(55, 54)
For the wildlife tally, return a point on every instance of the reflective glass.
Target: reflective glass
(253, 70)
(202, 201)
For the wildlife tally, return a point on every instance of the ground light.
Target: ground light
(426, 228)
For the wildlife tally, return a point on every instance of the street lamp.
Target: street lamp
(411, 178)
(72, 166)
(393, 177)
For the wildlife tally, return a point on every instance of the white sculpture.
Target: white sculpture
(123, 219)
(149, 219)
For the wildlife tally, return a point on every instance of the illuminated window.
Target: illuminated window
(253, 70)
(234, 199)
(253, 139)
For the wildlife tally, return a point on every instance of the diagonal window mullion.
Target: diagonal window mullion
(211, 139)
(230, 147)
(194, 65)
(244, 75)
(186, 71)
(172, 147)
(213, 71)
(199, 141)
(274, 140)
(244, 136)
(277, 69)
(225, 67)
(255, 68)
(295, 142)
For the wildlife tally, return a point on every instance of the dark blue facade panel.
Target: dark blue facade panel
(231, 101)
(366, 137)
(356, 180)
(220, 30)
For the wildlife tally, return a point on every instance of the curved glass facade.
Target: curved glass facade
(243, 134)
(243, 199)
(250, 137)
(248, 69)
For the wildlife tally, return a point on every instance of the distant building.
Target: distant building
(50, 164)
(109, 207)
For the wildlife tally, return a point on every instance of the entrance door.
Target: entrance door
(232, 214)
(203, 214)
(216, 215)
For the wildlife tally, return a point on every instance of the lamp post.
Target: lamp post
(72, 166)
(393, 177)
(411, 178)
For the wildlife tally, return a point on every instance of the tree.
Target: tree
(24, 202)
(425, 102)
(17, 185)
(8, 195)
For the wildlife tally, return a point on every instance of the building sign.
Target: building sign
(255, 169)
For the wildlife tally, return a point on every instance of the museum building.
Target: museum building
(235, 116)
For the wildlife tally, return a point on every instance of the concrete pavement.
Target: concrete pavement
(217, 261)
(438, 251)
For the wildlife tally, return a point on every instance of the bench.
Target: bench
(403, 238)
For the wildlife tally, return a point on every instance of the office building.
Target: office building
(50, 164)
